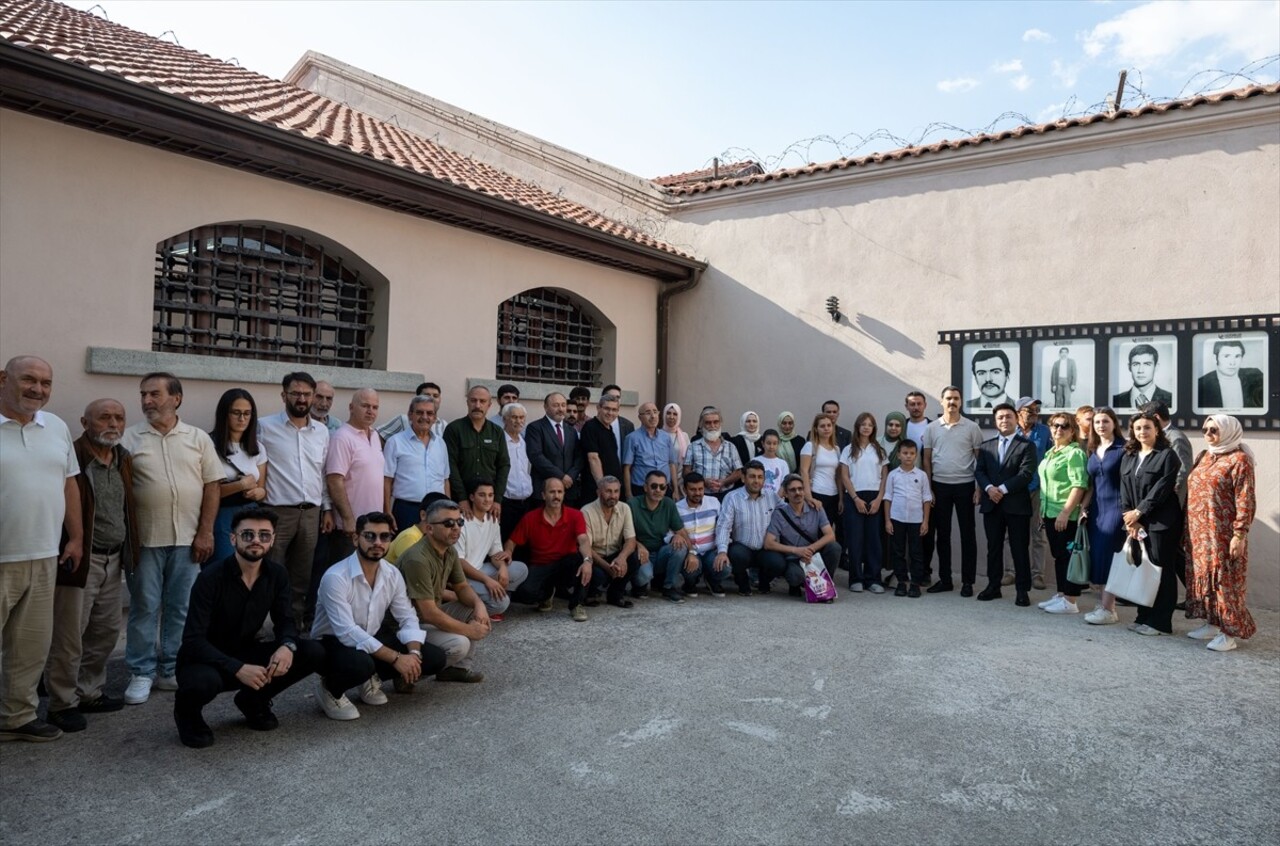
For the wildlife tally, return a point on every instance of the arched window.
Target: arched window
(544, 336)
(252, 291)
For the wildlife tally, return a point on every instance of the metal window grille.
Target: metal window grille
(246, 291)
(543, 336)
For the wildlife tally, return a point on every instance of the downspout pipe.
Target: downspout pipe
(664, 328)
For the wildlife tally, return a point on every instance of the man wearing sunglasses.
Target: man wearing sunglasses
(430, 567)
(230, 601)
(655, 516)
(362, 646)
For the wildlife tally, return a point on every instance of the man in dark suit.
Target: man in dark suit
(1242, 386)
(553, 449)
(1143, 359)
(1006, 465)
(831, 408)
(1062, 378)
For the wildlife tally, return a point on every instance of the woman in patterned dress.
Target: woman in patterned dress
(1220, 507)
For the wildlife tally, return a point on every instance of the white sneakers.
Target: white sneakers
(1101, 617)
(1063, 606)
(138, 691)
(339, 708)
(1205, 632)
(1053, 600)
(371, 691)
(876, 587)
(1222, 643)
(1147, 631)
(166, 683)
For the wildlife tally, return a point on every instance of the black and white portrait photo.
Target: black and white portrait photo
(1230, 372)
(1062, 373)
(993, 374)
(1143, 369)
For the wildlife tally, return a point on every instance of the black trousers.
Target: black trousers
(613, 587)
(955, 499)
(512, 511)
(908, 555)
(1062, 556)
(996, 523)
(1166, 552)
(546, 580)
(198, 684)
(344, 666)
(831, 507)
(331, 548)
(768, 565)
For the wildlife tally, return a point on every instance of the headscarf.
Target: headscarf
(747, 436)
(786, 451)
(1230, 437)
(677, 434)
(891, 446)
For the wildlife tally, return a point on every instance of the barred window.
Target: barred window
(252, 291)
(544, 336)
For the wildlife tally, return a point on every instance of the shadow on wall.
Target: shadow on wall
(885, 335)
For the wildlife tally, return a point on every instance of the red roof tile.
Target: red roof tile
(84, 39)
(720, 170)
(692, 187)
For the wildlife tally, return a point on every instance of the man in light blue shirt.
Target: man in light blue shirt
(649, 449)
(740, 530)
(415, 463)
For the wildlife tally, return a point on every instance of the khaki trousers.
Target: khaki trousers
(26, 626)
(86, 628)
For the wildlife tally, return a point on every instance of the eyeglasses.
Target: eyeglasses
(453, 522)
(1211, 430)
(238, 413)
(656, 487)
(1059, 425)
(385, 537)
(249, 535)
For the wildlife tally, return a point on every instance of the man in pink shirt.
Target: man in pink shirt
(353, 471)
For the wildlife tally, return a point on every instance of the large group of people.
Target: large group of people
(290, 545)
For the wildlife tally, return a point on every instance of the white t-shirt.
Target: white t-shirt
(775, 470)
(822, 472)
(35, 462)
(864, 471)
(239, 463)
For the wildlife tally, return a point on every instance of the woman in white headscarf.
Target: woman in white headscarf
(790, 441)
(748, 439)
(1220, 508)
(671, 416)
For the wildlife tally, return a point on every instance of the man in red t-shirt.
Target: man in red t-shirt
(558, 552)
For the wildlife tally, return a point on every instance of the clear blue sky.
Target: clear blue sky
(662, 87)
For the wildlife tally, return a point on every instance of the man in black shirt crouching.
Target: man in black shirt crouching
(229, 603)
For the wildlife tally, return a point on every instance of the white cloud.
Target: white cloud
(957, 85)
(1051, 112)
(1155, 32)
(1066, 74)
(1022, 82)
(1037, 35)
(1011, 66)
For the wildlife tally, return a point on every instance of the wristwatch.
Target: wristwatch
(290, 645)
(416, 653)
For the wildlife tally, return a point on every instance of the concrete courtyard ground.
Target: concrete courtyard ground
(763, 720)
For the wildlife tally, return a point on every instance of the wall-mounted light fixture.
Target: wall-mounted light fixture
(833, 308)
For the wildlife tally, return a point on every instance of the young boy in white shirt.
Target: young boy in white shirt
(908, 501)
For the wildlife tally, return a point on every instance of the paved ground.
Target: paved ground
(763, 720)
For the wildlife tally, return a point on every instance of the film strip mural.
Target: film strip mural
(1198, 366)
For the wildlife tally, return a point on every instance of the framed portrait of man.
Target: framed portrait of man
(1143, 369)
(1062, 373)
(1230, 370)
(992, 375)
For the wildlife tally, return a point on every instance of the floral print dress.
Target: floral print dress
(1220, 501)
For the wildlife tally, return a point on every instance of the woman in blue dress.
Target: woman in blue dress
(1106, 523)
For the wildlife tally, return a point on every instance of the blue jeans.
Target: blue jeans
(668, 565)
(222, 546)
(862, 540)
(159, 590)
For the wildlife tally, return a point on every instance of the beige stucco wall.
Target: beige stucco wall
(1096, 230)
(81, 213)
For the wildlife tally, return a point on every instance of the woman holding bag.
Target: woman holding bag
(1105, 516)
(1149, 499)
(1063, 484)
(1220, 508)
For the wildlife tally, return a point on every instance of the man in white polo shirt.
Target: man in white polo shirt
(176, 479)
(38, 498)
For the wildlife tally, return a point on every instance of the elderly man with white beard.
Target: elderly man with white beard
(712, 458)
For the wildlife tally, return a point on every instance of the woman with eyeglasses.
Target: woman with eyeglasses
(1152, 514)
(1220, 508)
(1102, 508)
(1064, 481)
(235, 437)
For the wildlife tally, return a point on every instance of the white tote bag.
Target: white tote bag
(1133, 576)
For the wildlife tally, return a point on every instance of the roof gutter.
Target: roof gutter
(664, 330)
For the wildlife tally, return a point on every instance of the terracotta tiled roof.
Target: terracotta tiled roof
(723, 170)
(688, 188)
(84, 39)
